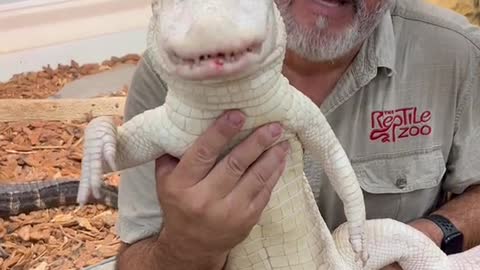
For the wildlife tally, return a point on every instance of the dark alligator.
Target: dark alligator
(21, 198)
(31, 196)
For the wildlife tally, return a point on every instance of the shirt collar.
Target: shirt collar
(377, 52)
(383, 41)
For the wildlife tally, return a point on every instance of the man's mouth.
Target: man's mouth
(204, 65)
(333, 3)
(338, 10)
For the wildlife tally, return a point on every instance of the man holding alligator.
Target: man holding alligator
(399, 81)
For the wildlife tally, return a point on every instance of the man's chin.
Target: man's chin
(322, 44)
(330, 39)
(325, 54)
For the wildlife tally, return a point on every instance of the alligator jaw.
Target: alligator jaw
(215, 64)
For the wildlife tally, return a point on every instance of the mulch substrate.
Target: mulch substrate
(69, 237)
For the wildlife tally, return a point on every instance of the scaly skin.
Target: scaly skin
(392, 241)
(291, 233)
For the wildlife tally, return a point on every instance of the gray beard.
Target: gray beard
(317, 45)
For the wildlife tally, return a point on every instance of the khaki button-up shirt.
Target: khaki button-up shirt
(407, 113)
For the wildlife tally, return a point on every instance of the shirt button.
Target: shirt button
(401, 183)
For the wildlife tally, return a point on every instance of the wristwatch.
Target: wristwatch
(452, 241)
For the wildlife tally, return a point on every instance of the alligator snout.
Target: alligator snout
(214, 36)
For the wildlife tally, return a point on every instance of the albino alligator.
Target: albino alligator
(217, 55)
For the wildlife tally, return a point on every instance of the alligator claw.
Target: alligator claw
(99, 154)
(359, 246)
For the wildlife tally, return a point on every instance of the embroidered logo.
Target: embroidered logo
(390, 126)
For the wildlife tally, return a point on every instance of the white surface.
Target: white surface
(18, 4)
(2, 2)
(108, 264)
(103, 83)
(37, 33)
(48, 22)
(82, 51)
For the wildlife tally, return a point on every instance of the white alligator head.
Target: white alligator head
(206, 41)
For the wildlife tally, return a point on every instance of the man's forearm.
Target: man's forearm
(155, 253)
(463, 211)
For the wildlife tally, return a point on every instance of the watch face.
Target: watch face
(453, 244)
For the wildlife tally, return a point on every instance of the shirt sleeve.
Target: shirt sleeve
(139, 213)
(463, 166)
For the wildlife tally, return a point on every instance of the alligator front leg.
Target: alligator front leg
(317, 136)
(109, 149)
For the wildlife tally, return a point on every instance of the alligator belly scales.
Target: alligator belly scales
(217, 55)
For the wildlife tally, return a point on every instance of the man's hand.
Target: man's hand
(209, 209)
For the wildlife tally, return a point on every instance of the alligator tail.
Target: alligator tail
(467, 260)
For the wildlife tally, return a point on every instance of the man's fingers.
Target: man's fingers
(257, 205)
(164, 165)
(262, 176)
(226, 174)
(200, 158)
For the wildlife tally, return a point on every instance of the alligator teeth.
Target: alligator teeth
(223, 57)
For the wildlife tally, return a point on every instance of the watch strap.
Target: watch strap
(449, 230)
(444, 224)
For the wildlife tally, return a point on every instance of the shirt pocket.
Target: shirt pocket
(402, 186)
(402, 172)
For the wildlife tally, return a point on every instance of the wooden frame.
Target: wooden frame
(59, 109)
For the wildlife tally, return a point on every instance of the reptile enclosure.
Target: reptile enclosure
(43, 115)
(42, 122)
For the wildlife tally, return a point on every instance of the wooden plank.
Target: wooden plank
(59, 109)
